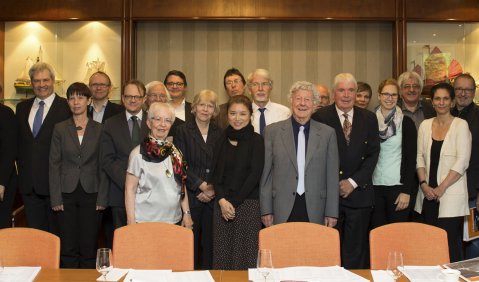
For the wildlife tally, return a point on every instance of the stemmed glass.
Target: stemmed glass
(103, 261)
(264, 263)
(395, 264)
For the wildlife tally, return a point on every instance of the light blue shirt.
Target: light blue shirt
(388, 167)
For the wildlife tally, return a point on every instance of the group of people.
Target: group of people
(226, 171)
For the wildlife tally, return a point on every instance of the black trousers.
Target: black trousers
(452, 225)
(118, 215)
(353, 227)
(202, 217)
(6, 206)
(299, 213)
(78, 229)
(39, 212)
(384, 211)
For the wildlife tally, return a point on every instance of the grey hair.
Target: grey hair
(344, 77)
(260, 72)
(410, 75)
(304, 85)
(154, 83)
(156, 106)
(41, 66)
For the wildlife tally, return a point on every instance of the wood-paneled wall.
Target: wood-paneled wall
(129, 12)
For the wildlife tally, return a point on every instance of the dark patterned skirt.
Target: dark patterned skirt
(235, 243)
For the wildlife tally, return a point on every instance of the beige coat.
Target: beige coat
(455, 154)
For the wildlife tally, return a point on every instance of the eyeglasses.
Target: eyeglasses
(262, 84)
(162, 120)
(464, 90)
(413, 86)
(99, 85)
(390, 95)
(157, 96)
(177, 84)
(132, 97)
(231, 82)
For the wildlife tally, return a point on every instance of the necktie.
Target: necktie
(37, 121)
(262, 121)
(347, 126)
(135, 131)
(300, 157)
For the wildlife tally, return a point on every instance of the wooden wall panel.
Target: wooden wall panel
(57, 10)
(440, 10)
(267, 9)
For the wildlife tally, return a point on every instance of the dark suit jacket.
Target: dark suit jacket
(72, 162)
(198, 155)
(222, 118)
(358, 160)
(471, 115)
(174, 127)
(188, 115)
(111, 109)
(8, 146)
(408, 157)
(33, 153)
(115, 150)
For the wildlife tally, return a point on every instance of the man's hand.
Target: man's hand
(345, 188)
(2, 192)
(267, 220)
(330, 221)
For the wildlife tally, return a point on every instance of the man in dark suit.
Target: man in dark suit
(234, 84)
(8, 172)
(465, 89)
(301, 165)
(121, 133)
(101, 108)
(358, 145)
(36, 118)
(156, 92)
(176, 83)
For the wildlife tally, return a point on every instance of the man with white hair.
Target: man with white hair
(265, 112)
(358, 143)
(301, 165)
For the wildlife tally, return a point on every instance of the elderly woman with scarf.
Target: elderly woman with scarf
(394, 177)
(155, 180)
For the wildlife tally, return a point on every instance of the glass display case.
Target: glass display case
(74, 49)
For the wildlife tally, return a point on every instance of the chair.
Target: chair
(301, 244)
(153, 245)
(29, 247)
(421, 244)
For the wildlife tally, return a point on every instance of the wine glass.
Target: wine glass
(395, 264)
(103, 261)
(264, 263)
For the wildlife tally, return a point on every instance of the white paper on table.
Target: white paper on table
(422, 273)
(190, 276)
(113, 275)
(19, 273)
(381, 276)
(306, 273)
(135, 275)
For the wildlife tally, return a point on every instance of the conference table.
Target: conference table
(77, 275)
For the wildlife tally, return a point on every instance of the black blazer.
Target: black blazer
(408, 157)
(111, 109)
(33, 153)
(115, 149)
(198, 155)
(188, 115)
(8, 147)
(358, 160)
(72, 162)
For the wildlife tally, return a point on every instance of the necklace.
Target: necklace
(167, 169)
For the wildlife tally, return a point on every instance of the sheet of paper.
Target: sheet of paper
(190, 276)
(381, 276)
(303, 273)
(19, 274)
(422, 273)
(135, 275)
(114, 275)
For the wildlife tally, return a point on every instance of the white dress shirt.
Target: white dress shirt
(180, 111)
(33, 111)
(274, 112)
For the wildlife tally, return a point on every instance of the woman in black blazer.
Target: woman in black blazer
(78, 186)
(394, 177)
(196, 139)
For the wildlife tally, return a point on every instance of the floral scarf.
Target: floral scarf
(389, 124)
(156, 151)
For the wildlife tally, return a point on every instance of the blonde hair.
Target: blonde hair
(207, 95)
